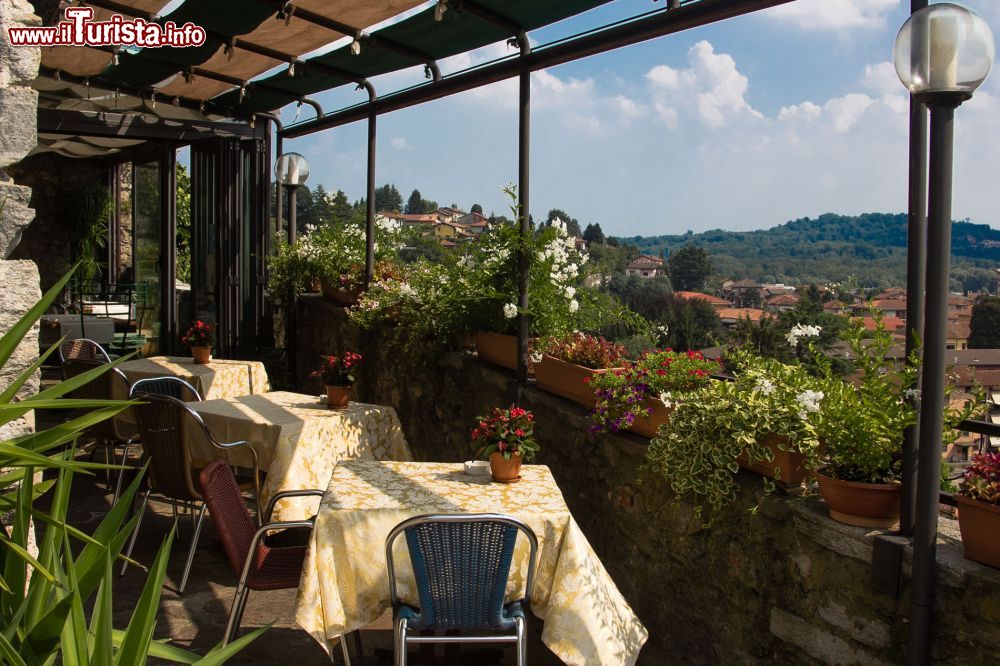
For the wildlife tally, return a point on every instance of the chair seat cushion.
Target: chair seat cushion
(276, 568)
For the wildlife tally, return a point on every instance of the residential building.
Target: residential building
(647, 266)
(781, 302)
(730, 317)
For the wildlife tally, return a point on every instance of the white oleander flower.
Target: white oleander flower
(765, 386)
(666, 399)
(536, 357)
(574, 305)
(570, 292)
(802, 331)
(510, 310)
(809, 401)
(912, 394)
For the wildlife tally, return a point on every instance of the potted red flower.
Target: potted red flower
(337, 373)
(200, 338)
(566, 365)
(979, 510)
(507, 437)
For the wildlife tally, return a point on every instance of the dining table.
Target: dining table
(298, 441)
(345, 584)
(219, 378)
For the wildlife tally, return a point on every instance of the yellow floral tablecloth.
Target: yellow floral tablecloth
(345, 585)
(222, 378)
(298, 440)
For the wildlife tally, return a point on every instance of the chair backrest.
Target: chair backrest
(172, 387)
(101, 387)
(162, 423)
(82, 349)
(229, 512)
(461, 564)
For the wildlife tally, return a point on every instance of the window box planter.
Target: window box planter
(860, 504)
(342, 296)
(980, 525)
(649, 426)
(568, 380)
(792, 464)
(497, 348)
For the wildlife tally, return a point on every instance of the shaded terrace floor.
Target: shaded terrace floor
(197, 620)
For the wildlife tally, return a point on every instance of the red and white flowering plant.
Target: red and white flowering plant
(200, 334)
(506, 431)
(338, 370)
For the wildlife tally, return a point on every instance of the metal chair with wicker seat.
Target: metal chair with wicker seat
(81, 349)
(461, 564)
(106, 433)
(164, 424)
(254, 552)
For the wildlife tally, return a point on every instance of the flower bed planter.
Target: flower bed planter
(568, 380)
(980, 525)
(497, 348)
(650, 425)
(792, 464)
(342, 296)
(860, 504)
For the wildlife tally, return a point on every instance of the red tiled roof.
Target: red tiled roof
(783, 299)
(753, 314)
(891, 323)
(890, 304)
(697, 295)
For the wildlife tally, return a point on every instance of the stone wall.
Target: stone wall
(782, 584)
(18, 279)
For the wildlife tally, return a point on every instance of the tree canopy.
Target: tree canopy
(984, 329)
(388, 199)
(689, 268)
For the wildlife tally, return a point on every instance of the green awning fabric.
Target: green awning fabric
(459, 32)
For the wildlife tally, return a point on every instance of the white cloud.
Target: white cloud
(845, 111)
(835, 15)
(806, 110)
(401, 143)
(711, 88)
(881, 78)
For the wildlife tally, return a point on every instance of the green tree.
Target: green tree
(984, 329)
(752, 298)
(476, 208)
(322, 204)
(183, 208)
(388, 199)
(593, 233)
(689, 268)
(415, 204)
(341, 211)
(693, 324)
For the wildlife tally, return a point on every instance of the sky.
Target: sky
(786, 113)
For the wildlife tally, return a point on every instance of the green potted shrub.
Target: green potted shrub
(979, 510)
(763, 419)
(641, 396)
(861, 423)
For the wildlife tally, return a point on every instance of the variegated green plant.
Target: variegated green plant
(43, 597)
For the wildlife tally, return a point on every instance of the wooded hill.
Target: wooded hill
(834, 248)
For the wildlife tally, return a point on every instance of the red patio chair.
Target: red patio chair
(258, 558)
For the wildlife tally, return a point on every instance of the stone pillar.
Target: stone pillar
(19, 282)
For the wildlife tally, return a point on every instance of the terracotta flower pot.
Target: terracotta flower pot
(201, 355)
(980, 525)
(792, 464)
(861, 504)
(314, 285)
(568, 380)
(342, 296)
(648, 426)
(503, 470)
(497, 349)
(337, 396)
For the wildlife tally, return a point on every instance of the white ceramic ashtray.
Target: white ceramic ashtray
(477, 467)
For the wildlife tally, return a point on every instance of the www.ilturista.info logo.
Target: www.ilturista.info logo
(80, 30)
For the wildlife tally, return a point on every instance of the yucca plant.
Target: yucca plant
(42, 597)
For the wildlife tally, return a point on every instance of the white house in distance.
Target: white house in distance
(646, 266)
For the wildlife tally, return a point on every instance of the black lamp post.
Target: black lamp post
(291, 170)
(942, 54)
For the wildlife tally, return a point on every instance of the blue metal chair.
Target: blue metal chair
(461, 564)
